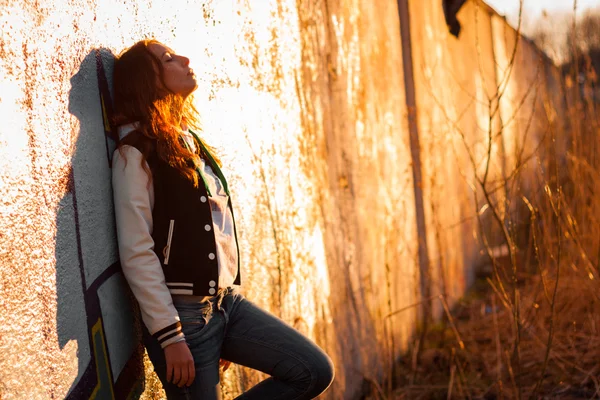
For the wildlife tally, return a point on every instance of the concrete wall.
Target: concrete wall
(459, 83)
(306, 102)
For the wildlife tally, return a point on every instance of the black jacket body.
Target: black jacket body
(183, 212)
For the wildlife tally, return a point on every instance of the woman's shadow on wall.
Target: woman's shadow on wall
(95, 307)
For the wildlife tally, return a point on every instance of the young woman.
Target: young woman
(178, 244)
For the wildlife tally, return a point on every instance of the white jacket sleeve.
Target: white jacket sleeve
(134, 200)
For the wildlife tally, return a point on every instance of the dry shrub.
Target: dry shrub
(530, 328)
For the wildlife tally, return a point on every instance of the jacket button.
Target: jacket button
(203, 199)
(212, 283)
(207, 228)
(211, 256)
(211, 291)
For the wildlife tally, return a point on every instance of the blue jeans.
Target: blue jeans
(229, 326)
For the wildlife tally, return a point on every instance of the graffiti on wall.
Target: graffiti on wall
(114, 366)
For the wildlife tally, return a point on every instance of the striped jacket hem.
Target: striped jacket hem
(181, 288)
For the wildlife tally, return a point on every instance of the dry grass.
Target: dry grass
(485, 368)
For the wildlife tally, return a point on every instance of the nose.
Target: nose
(185, 61)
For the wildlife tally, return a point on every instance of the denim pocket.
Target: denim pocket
(193, 318)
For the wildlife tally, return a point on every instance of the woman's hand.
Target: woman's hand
(180, 364)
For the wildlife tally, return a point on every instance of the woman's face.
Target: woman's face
(178, 77)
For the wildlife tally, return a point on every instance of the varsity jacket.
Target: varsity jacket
(180, 257)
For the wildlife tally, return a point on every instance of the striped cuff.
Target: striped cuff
(169, 335)
(181, 288)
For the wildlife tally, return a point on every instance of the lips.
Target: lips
(191, 72)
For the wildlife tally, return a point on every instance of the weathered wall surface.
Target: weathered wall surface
(305, 101)
(353, 107)
(473, 90)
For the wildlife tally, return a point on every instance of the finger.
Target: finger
(169, 371)
(176, 374)
(191, 373)
(184, 375)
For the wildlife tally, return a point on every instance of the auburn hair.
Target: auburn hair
(158, 113)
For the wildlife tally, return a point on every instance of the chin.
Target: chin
(193, 85)
(189, 91)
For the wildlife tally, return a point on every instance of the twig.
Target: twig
(497, 337)
(461, 344)
(411, 306)
(451, 383)
(374, 383)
